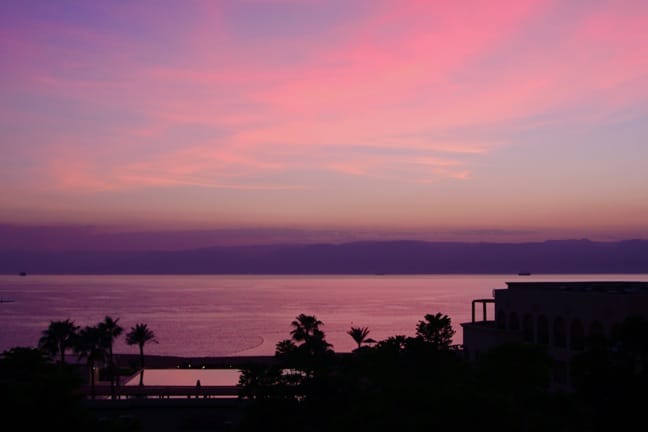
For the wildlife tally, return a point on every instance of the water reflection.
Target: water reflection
(187, 377)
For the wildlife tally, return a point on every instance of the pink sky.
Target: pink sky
(503, 121)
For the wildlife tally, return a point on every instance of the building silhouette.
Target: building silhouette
(563, 316)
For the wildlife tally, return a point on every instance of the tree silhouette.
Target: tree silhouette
(436, 330)
(359, 334)
(285, 348)
(110, 330)
(36, 394)
(304, 359)
(306, 328)
(58, 337)
(308, 336)
(90, 345)
(140, 335)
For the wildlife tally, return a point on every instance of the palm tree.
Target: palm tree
(58, 337)
(306, 328)
(140, 335)
(307, 333)
(110, 330)
(436, 330)
(90, 346)
(359, 334)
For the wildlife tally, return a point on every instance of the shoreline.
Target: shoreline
(212, 362)
(190, 362)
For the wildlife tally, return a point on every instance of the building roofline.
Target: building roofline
(586, 286)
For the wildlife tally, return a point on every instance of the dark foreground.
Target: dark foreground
(158, 415)
(173, 408)
(402, 384)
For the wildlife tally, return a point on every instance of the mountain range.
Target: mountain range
(367, 257)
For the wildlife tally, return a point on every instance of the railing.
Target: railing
(484, 302)
(102, 391)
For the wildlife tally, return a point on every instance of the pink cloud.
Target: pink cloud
(413, 92)
(77, 175)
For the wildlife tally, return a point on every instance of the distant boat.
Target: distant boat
(524, 274)
(6, 300)
(22, 274)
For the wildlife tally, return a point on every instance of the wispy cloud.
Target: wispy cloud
(219, 95)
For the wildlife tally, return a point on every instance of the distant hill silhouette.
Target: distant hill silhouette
(389, 257)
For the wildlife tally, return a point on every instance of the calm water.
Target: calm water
(207, 377)
(228, 315)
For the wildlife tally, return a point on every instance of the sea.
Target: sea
(232, 315)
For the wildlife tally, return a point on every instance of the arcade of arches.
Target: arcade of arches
(557, 331)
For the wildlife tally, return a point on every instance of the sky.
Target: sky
(468, 120)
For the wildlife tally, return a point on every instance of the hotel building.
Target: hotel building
(558, 315)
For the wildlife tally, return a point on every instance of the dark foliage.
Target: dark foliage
(36, 394)
(409, 384)
(611, 376)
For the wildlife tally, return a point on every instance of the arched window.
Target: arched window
(559, 335)
(527, 327)
(543, 330)
(577, 336)
(500, 318)
(514, 322)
